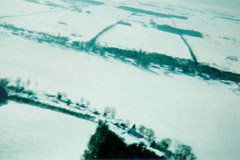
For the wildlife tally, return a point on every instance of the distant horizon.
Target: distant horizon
(229, 4)
(233, 4)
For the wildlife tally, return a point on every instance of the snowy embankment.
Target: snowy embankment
(28, 132)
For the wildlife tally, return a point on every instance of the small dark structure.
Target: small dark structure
(134, 132)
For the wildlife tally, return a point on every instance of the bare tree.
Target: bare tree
(109, 112)
(147, 132)
(4, 82)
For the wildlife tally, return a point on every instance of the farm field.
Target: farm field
(163, 64)
(35, 133)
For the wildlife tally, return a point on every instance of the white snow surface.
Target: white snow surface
(28, 132)
(218, 25)
(202, 114)
(136, 37)
(79, 26)
(81, 21)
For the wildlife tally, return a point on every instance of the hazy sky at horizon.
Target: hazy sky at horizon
(230, 4)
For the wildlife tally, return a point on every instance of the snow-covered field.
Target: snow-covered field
(29, 132)
(202, 114)
(79, 20)
(142, 38)
(55, 21)
(219, 46)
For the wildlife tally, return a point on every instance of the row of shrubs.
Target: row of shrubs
(51, 107)
(19, 91)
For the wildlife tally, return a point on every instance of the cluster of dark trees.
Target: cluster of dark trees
(3, 91)
(180, 152)
(106, 144)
